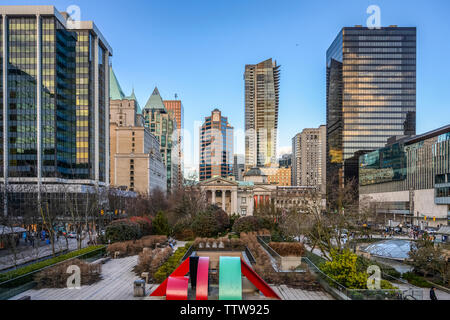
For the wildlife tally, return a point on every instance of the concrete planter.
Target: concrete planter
(290, 262)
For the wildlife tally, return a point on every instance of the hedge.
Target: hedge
(123, 230)
(171, 264)
(416, 280)
(10, 275)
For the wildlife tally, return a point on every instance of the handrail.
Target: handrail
(272, 252)
(51, 266)
(250, 256)
(188, 253)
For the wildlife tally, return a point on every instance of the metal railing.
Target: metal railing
(250, 256)
(272, 252)
(188, 253)
(343, 293)
(18, 285)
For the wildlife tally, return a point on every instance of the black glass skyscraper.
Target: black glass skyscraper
(54, 93)
(371, 91)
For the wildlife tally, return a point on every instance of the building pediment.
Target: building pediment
(261, 189)
(218, 181)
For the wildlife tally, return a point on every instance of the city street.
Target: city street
(26, 253)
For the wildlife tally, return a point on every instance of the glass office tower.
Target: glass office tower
(216, 147)
(371, 91)
(46, 100)
(163, 124)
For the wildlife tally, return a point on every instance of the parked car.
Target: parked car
(72, 235)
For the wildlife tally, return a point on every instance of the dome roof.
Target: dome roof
(390, 249)
(254, 172)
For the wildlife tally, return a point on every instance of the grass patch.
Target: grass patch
(171, 264)
(11, 275)
(416, 280)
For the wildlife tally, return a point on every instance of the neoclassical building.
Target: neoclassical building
(244, 197)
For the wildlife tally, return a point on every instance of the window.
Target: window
(243, 212)
(244, 200)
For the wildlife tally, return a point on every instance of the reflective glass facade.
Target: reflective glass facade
(56, 97)
(85, 104)
(22, 71)
(162, 124)
(50, 72)
(416, 163)
(57, 100)
(371, 90)
(216, 147)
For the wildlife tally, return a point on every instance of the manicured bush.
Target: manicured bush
(144, 223)
(210, 223)
(56, 277)
(343, 270)
(288, 248)
(161, 224)
(171, 264)
(247, 224)
(205, 225)
(416, 280)
(10, 275)
(151, 261)
(123, 230)
(132, 248)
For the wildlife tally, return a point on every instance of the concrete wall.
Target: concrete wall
(424, 204)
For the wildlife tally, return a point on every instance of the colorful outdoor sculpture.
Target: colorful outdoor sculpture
(175, 287)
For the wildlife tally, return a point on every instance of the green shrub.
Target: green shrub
(247, 224)
(123, 230)
(363, 263)
(386, 285)
(343, 270)
(210, 223)
(144, 223)
(416, 280)
(171, 264)
(10, 275)
(161, 224)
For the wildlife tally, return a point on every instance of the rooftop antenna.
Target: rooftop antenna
(176, 96)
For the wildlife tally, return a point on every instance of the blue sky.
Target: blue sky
(198, 49)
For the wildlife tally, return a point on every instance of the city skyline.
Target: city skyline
(300, 53)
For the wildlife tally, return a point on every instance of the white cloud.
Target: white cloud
(284, 150)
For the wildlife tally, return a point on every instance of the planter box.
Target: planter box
(290, 262)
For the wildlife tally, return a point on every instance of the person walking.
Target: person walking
(433, 294)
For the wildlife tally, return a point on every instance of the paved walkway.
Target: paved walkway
(116, 284)
(286, 293)
(28, 253)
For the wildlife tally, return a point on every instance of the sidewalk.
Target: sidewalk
(28, 253)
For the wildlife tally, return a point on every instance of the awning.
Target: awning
(10, 230)
(445, 230)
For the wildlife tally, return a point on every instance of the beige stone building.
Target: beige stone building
(309, 158)
(136, 161)
(245, 197)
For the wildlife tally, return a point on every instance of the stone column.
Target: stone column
(213, 197)
(223, 200)
(234, 202)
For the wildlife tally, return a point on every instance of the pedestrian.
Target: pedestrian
(433, 294)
